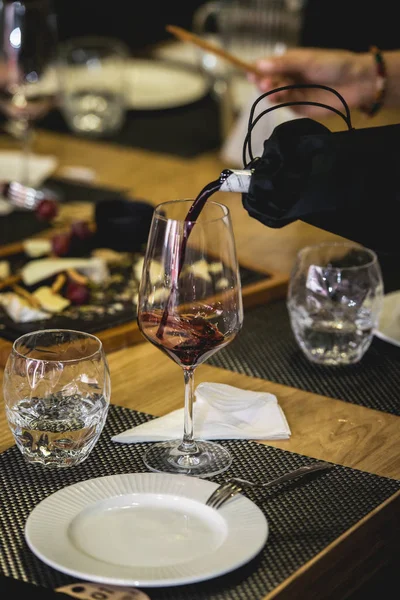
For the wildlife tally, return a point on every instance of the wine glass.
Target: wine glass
(190, 306)
(28, 85)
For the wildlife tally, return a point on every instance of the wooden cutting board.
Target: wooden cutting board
(272, 287)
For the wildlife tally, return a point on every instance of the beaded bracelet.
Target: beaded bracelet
(381, 83)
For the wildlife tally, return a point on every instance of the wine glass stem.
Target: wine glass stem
(188, 444)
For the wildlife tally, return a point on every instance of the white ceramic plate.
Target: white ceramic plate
(389, 322)
(158, 84)
(144, 529)
(150, 83)
(241, 90)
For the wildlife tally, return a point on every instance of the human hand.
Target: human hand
(349, 73)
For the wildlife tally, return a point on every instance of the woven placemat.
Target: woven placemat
(304, 517)
(266, 348)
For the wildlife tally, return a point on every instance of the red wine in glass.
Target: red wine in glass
(188, 339)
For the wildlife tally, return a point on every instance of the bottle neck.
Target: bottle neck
(235, 180)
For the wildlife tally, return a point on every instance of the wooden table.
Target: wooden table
(322, 427)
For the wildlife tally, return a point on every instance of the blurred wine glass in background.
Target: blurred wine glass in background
(28, 81)
(248, 29)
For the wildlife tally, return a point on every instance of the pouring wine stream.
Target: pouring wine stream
(228, 181)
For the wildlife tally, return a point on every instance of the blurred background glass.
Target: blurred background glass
(93, 86)
(28, 87)
(248, 29)
(252, 28)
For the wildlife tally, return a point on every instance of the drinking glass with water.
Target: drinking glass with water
(334, 300)
(57, 392)
(92, 82)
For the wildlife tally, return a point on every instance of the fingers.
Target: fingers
(303, 95)
(266, 84)
(270, 77)
(308, 66)
(277, 65)
(277, 71)
(269, 84)
(292, 63)
(286, 69)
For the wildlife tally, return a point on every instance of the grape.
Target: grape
(46, 210)
(61, 244)
(77, 293)
(81, 230)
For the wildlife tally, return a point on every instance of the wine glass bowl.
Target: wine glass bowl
(190, 306)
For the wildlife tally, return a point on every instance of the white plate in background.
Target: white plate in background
(179, 51)
(144, 529)
(389, 321)
(213, 65)
(150, 83)
(157, 84)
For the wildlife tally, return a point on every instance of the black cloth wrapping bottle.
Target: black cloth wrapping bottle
(345, 182)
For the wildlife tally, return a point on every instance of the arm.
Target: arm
(352, 74)
(392, 60)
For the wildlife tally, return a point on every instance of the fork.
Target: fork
(234, 485)
(23, 196)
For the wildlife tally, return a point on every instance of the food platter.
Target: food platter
(108, 309)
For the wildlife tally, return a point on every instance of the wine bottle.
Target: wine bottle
(236, 180)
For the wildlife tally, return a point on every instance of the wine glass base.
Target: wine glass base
(205, 460)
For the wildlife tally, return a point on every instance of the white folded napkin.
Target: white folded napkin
(232, 149)
(40, 167)
(220, 412)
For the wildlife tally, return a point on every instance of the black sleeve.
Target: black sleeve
(347, 182)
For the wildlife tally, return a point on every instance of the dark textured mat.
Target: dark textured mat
(266, 348)
(304, 517)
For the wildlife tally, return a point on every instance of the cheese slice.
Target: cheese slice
(49, 300)
(200, 269)
(38, 270)
(156, 274)
(4, 269)
(19, 309)
(37, 247)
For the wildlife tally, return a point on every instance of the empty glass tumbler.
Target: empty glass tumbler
(334, 300)
(57, 392)
(93, 86)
